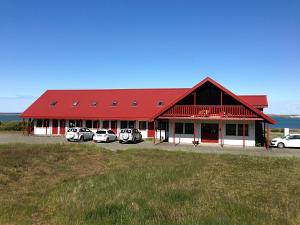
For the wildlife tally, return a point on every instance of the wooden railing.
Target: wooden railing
(235, 111)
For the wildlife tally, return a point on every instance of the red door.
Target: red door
(209, 132)
(105, 124)
(151, 131)
(54, 127)
(114, 126)
(62, 127)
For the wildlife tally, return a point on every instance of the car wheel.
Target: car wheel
(121, 142)
(134, 140)
(280, 145)
(107, 140)
(81, 139)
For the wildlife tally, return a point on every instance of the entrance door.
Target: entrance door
(114, 126)
(209, 132)
(151, 131)
(55, 127)
(62, 127)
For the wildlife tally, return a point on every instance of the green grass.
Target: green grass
(82, 184)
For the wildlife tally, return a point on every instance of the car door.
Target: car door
(290, 141)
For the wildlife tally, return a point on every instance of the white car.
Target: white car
(79, 134)
(292, 140)
(130, 135)
(104, 135)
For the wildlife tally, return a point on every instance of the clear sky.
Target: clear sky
(250, 47)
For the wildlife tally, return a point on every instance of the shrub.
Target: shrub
(11, 126)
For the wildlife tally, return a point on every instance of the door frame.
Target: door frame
(210, 138)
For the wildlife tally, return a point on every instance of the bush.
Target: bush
(11, 126)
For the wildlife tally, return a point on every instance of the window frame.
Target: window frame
(240, 130)
(227, 130)
(177, 128)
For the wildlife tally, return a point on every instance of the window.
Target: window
(89, 124)
(178, 128)
(96, 124)
(94, 103)
(142, 125)
(231, 129)
(53, 103)
(46, 123)
(240, 130)
(160, 103)
(105, 124)
(114, 103)
(131, 124)
(189, 128)
(134, 103)
(71, 123)
(78, 123)
(75, 103)
(39, 123)
(124, 124)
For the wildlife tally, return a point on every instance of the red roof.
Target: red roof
(147, 104)
(259, 101)
(147, 107)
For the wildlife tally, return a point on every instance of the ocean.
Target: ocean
(282, 122)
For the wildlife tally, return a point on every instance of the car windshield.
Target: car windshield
(101, 132)
(72, 130)
(128, 131)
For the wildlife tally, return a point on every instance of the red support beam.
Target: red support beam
(221, 123)
(268, 136)
(243, 135)
(194, 132)
(174, 132)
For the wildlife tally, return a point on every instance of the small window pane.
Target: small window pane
(142, 125)
(46, 123)
(231, 129)
(89, 124)
(131, 124)
(124, 124)
(71, 123)
(114, 103)
(178, 128)
(96, 124)
(78, 123)
(240, 130)
(189, 128)
(39, 123)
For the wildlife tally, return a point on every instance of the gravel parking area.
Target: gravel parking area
(6, 138)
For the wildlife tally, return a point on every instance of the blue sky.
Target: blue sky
(250, 47)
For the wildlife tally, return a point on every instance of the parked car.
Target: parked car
(292, 140)
(79, 134)
(105, 135)
(130, 135)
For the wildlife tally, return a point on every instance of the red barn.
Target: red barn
(205, 113)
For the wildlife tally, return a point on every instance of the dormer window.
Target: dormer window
(53, 103)
(160, 103)
(134, 103)
(75, 103)
(94, 103)
(114, 103)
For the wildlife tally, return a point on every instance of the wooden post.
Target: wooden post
(264, 133)
(154, 132)
(194, 132)
(159, 126)
(268, 136)
(46, 128)
(174, 132)
(221, 122)
(29, 126)
(243, 134)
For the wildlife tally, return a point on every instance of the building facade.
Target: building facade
(205, 113)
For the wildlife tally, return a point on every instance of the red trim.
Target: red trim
(208, 79)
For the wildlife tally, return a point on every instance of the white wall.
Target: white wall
(227, 140)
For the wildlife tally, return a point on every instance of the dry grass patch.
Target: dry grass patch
(82, 184)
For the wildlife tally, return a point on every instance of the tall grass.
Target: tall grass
(80, 184)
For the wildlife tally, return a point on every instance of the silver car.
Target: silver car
(130, 135)
(79, 134)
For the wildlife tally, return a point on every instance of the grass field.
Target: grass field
(80, 184)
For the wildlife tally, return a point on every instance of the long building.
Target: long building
(205, 113)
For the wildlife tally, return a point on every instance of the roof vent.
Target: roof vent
(94, 103)
(75, 103)
(53, 103)
(114, 103)
(160, 103)
(134, 103)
